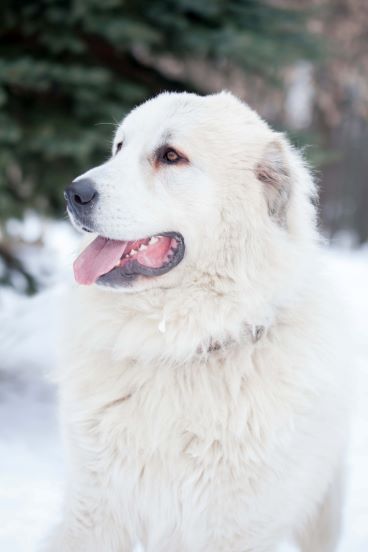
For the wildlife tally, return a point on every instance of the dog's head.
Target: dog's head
(195, 186)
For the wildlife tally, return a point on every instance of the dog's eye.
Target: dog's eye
(167, 155)
(118, 147)
(170, 156)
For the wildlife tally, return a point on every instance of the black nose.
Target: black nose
(80, 193)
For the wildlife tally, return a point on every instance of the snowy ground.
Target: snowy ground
(31, 464)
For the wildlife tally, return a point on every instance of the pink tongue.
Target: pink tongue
(97, 259)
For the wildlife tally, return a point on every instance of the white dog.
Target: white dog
(204, 400)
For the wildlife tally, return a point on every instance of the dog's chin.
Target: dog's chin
(142, 284)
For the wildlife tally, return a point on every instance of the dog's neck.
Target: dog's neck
(176, 327)
(224, 330)
(252, 334)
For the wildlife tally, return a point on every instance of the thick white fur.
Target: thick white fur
(231, 450)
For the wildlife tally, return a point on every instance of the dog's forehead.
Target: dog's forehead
(163, 116)
(174, 116)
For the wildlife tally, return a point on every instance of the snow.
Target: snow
(31, 460)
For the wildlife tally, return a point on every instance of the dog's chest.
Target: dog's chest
(206, 398)
(204, 416)
(195, 447)
(185, 448)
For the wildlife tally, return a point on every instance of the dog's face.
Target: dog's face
(190, 181)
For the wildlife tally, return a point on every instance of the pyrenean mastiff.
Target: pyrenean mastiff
(204, 385)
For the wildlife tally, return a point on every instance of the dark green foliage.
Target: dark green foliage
(69, 69)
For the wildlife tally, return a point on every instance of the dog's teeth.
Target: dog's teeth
(153, 240)
(133, 252)
(142, 247)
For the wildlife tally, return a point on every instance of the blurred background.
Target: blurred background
(69, 71)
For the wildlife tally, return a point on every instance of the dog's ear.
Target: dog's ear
(273, 172)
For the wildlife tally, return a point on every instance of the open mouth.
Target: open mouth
(118, 263)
